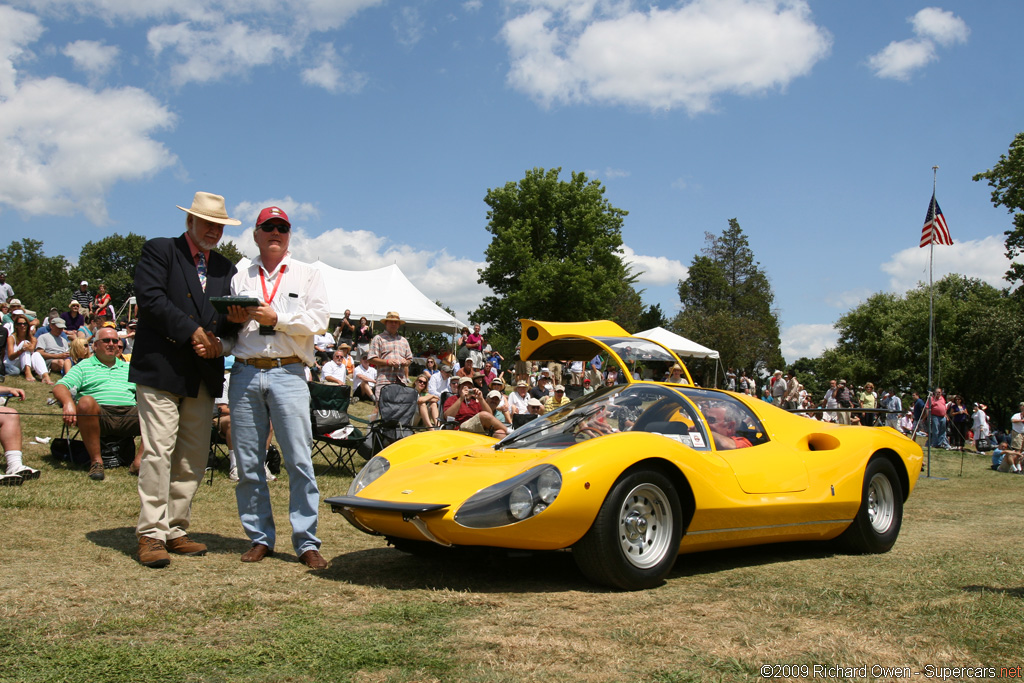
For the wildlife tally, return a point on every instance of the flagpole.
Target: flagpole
(931, 327)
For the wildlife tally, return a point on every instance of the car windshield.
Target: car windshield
(637, 407)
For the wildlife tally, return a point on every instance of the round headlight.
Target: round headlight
(370, 473)
(520, 502)
(549, 483)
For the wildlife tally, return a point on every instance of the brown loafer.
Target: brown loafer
(256, 553)
(183, 545)
(313, 559)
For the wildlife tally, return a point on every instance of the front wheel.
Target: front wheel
(634, 540)
(878, 520)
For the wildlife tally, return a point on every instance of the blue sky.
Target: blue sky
(379, 125)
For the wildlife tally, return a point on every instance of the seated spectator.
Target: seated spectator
(73, 317)
(20, 354)
(587, 389)
(10, 440)
(106, 400)
(55, 348)
(534, 407)
(79, 350)
(88, 330)
(489, 373)
(518, 398)
(364, 379)
(495, 399)
(906, 423)
(128, 339)
(44, 328)
(543, 388)
(438, 383)
(466, 370)
(471, 412)
(675, 374)
(335, 371)
(451, 390)
(480, 383)
(426, 404)
(323, 345)
(556, 400)
(1006, 460)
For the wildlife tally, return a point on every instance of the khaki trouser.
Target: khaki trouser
(176, 444)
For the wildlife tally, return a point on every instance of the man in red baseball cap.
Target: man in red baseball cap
(268, 383)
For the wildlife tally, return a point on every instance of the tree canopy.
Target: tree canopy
(1007, 181)
(555, 254)
(110, 261)
(40, 282)
(727, 303)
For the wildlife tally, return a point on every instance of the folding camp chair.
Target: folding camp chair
(218, 457)
(396, 409)
(328, 411)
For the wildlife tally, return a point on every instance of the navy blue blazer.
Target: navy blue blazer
(172, 305)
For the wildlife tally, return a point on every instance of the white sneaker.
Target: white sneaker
(233, 474)
(270, 477)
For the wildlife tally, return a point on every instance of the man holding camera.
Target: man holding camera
(471, 412)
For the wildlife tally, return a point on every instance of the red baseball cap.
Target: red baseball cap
(272, 213)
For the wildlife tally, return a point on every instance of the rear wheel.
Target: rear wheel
(878, 521)
(634, 541)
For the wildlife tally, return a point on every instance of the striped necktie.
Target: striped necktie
(201, 269)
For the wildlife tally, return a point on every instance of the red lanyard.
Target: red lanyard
(280, 276)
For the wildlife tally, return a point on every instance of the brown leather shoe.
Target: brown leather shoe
(313, 559)
(183, 545)
(152, 553)
(256, 553)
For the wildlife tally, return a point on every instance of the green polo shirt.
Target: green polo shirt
(109, 386)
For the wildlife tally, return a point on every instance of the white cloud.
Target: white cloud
(472, 5)
(331, 74)
(807, 341)
(568, 51)
(438, 274)
(655, 270)
(92, 57)
(945, 28)
(900, 59)
(984, 259)
(207, 55)
(63, 146)
(408, 26)
(17, 30)
(248, 211)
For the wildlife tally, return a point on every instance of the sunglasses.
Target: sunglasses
(419, 381)
(282, 228)
(107, 341)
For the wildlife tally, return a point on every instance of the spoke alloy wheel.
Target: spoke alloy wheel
(645, 526)
(881, 503)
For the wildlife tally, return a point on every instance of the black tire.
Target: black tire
(634, 540)
(878, 520)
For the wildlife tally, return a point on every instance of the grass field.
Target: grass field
(75, 606)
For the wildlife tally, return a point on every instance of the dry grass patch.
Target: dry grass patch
(75, 606)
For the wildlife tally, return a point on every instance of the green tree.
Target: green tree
(978, 340)
(1007, 181)
(110, 261)
(727, 303)
(652, 317)
(555, 253)
(40, 282)
(230, 251)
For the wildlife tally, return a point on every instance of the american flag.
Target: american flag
(935, 230)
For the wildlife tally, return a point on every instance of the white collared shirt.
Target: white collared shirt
(301, 307)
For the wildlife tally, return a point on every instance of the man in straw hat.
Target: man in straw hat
(178, 369)
(390, 354)
(268, 383)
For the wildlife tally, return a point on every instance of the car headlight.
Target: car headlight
(370, 473)
(511, 501)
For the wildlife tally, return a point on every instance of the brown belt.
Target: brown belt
(265, 363)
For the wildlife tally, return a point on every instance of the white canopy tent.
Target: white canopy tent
(681, 345)
(374, 293)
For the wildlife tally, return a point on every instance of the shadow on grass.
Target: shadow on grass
(497, 571)
(122, 539)
(1012, 592)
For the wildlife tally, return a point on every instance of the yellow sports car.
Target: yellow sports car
(634, 474)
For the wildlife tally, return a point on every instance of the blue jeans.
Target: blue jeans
(939, 439)
(258, 397)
